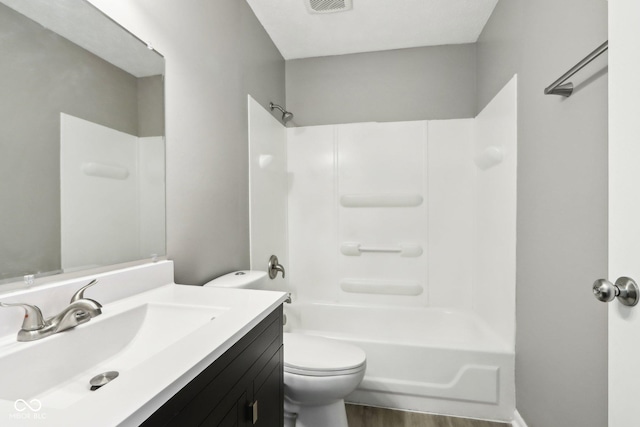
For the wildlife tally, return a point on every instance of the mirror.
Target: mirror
(81, 136)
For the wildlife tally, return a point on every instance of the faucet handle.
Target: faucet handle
(33, 318)
(80, 293)
(274, 266)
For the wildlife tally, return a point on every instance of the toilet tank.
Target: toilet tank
(249, 279)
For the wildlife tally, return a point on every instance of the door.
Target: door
(624, 208)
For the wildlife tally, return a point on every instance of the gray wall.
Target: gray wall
(150, 106)
(43, 75)
(216, 53)
(407, 84)
(561, 342)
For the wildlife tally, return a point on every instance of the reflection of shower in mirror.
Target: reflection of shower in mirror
(105, 171)
(111, 192)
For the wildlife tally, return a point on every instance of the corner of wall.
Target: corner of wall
(518, 421)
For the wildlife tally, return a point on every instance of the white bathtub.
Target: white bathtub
(422, 359)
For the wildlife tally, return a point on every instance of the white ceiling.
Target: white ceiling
(371, 25)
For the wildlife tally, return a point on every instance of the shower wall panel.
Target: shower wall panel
(495, 272)
(267, 192)
(111, 193)
(364, 200)
(382, 209)
(451, 213)
(100, 223)
(313, 222)
(151, 195)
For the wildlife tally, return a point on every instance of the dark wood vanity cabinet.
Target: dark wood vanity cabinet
(243, 387)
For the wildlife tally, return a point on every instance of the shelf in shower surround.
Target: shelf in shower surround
(489, 157)
(404, 250)
(381, 287)
(381, 200)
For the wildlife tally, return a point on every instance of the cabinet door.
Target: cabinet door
(232, 417)
(269, 393)
(223, 393)
(268, 398)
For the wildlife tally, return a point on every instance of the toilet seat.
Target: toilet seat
(310, 373)
(321, 357)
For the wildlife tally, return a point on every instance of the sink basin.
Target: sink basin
(158, 338)
(57, 369)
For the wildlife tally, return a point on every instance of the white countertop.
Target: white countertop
(142, 389)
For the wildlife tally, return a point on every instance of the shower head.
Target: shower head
(286, 116)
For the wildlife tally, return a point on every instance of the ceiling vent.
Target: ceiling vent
(329, 6)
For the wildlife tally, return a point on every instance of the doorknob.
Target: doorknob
(625, 289)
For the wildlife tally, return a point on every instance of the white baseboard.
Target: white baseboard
(517, 420)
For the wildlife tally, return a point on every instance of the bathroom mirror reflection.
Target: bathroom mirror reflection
(81, 137)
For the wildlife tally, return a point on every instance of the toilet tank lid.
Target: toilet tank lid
(237, 279)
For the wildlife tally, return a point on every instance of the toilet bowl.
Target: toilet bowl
(318, 372)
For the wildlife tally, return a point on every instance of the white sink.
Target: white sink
(57, 369)
(158, 340)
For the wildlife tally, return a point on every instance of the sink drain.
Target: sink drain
(102, 379)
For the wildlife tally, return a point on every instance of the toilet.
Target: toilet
(318, 372)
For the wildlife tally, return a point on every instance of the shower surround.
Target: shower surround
(401, 240)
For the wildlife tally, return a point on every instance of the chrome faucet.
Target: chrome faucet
(79, 311)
